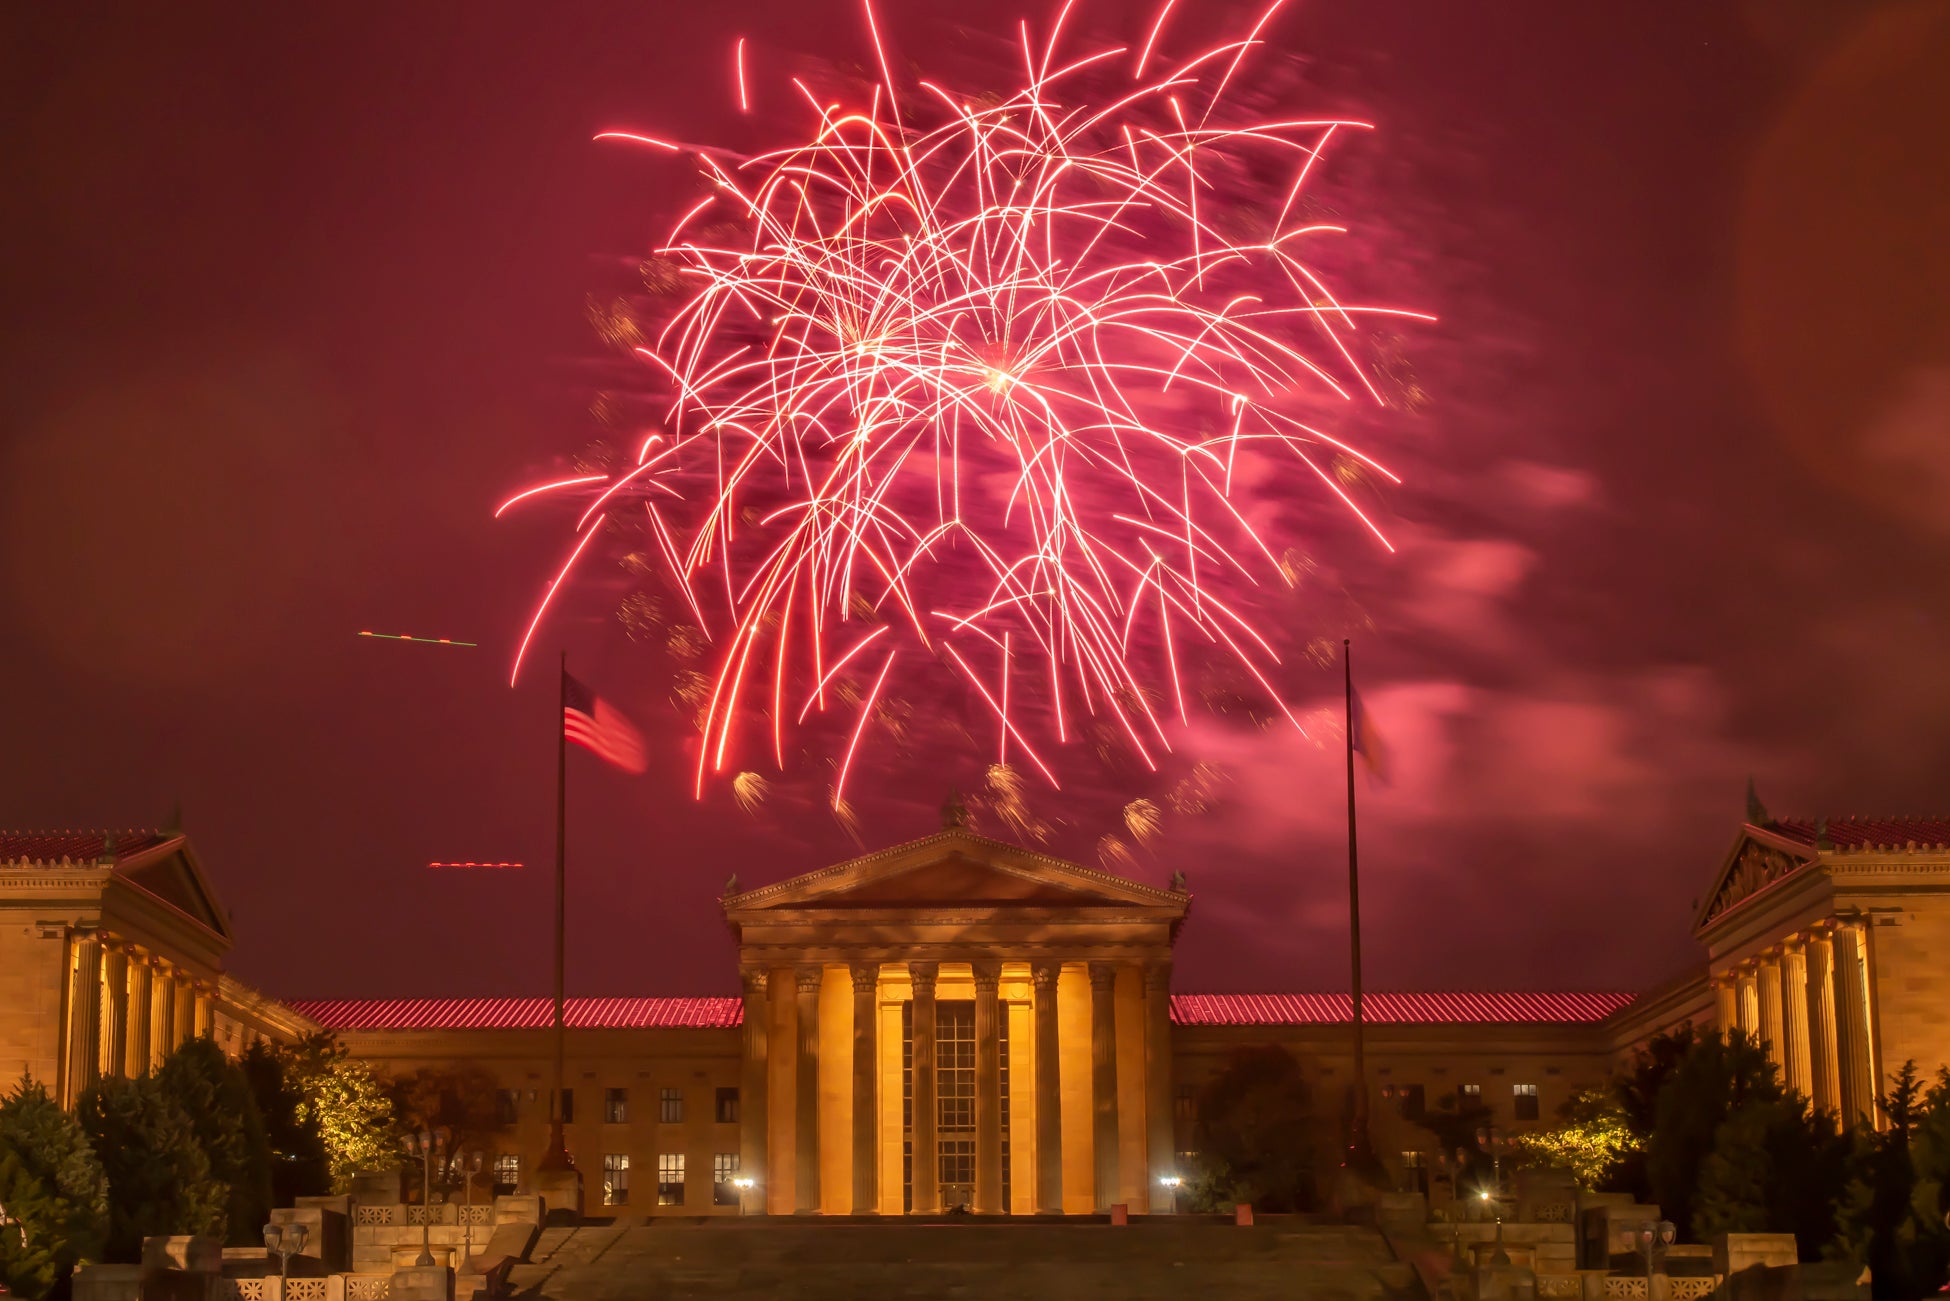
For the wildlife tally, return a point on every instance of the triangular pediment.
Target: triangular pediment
(956, 869)
(171, 873)
(1758, 861)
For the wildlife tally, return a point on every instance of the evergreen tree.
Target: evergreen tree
(216, 1096)
(299, 1165)
(158, 1177)
(53, 1196)
(1710, 1079)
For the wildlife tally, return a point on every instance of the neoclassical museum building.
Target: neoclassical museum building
(959, 1023)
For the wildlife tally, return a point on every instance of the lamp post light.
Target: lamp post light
(1489, 1137)
(1173, 1182)
(284, 1241)
(744, 1184)
(470, 1170)
(1652, 1238)
(426, 1145)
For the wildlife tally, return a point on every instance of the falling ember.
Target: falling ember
(750, 790)
(970, 380)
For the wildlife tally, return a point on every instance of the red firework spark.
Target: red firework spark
(934, 403)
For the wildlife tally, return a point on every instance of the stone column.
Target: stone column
(1767, 987)
(142, 1012)
(866, 1099)
(84, 1013)
(924, 1141)
(1794, 1017)
(115, 1010)
(988, 1090)
(805, 1092)
(1158, 1127)
(753, 1114)
(162, 1034)
(1749, 1002)
(206, 1011)
(1852, 1021)
(1726, 1003)
(1822, 1054)
(1103, 1082)
(1049, 1092)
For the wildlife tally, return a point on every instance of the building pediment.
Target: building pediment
(956, 869)
(171, 873)
(1759, 860)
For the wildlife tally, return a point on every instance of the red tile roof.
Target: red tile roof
(1393, 1009)
(1870, 832)
(521, 1013)
(21, 848)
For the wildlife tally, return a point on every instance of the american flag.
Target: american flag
(588, 720)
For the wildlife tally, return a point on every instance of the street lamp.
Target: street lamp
(1173, 1182)
(470, 1170)
(744, 1184)
(1488, 1137)
(426, 1144)
(1651, 1239)
(285, 1241)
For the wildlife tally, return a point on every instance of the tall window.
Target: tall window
(568, 1106)
(505, 1106)
(724, 1168)
(616, 1179)
(616, 1106)
(670, 1106)
(727, 1106)
(507, 1174)
(670, 1179)
(1469, 1095)
(1523, 1101)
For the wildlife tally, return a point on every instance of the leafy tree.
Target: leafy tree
(1455, 1126)
(216, 1096)
(157, 1172)
(53, 1195)
(299, 1164)
(1255, 1122)
(349, 1103)
(1591, 1139)
(1709, 1080)
(464, 1100)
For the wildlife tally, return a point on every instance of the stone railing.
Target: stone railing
(332, 1287)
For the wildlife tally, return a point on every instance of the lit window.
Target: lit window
(507, 1174)
(670, 1179)
(1470, 1095)
(616, 1106)
(616, 1179)
(1524, 1101)
(670, 1106)
(1413, 1160)
(724, 1168)
(727, 1106)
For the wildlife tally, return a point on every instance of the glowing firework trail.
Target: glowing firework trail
(970, 384)
(424, 641)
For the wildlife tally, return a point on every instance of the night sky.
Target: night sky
(294, 295)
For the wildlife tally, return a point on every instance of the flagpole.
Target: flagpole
(556, 1157)
(1360, 1151)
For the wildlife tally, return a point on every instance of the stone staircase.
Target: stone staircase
(1178, 1258)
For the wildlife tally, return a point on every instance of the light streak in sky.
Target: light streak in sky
(427, 641)
(967, 382)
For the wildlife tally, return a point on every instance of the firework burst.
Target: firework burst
(962, 386)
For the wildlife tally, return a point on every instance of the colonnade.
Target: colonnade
(128, 1009)
(1807, 999)
(1034, 1117)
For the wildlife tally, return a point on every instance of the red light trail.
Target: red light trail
(980, 374)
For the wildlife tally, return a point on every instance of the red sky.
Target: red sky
(294, 296)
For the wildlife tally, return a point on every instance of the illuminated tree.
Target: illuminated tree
(349, 1104)
(53, 1196)
(1590, 1141)
(299, 1166)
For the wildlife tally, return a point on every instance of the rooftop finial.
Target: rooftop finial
(954, 812)
(108, 847)
(1757, 814)
(1821, 834)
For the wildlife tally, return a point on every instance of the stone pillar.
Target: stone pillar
(805, 1092)
(1160, 1149)
(1794, 1017)
(924, 1143)
(753, 1114)
(206, 1011)
(185, 1011)
(115, 1010)
(1103, 1083)
(1749, 1002)
(1726, 1004)
(1049, 1092)
(142, 1012)
(162, 1034)
(1767, 987)
(1822, 1046)
(1857, 1053)
(84, 1013)
(866, 1097)
(988, 1090)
